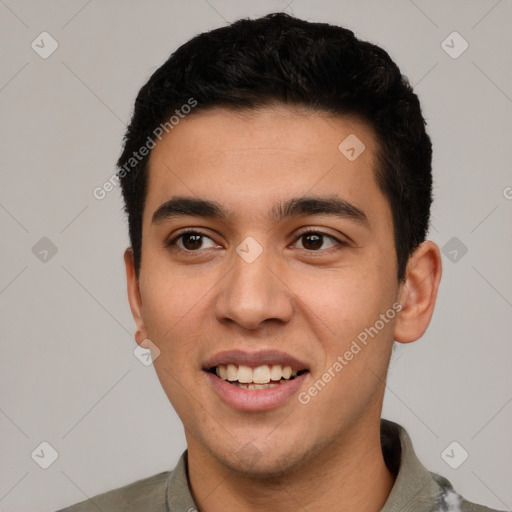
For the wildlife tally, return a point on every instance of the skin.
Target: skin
(309, 303)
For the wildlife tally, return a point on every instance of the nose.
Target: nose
(252, 295)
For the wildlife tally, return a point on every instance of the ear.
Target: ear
(418, 292)
(134, 297)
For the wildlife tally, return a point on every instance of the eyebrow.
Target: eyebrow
(293, 208)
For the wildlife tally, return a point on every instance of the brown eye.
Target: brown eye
(317, 241)
(192, 241)
(312, 241)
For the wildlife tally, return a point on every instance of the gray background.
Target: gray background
(68, 373)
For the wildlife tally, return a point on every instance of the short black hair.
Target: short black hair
(278, 58)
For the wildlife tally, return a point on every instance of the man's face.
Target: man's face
(250, 288)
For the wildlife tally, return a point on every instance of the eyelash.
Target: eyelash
(309, 231)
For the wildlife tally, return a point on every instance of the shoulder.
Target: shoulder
(148, 494)
(417, 489)
(451, 501)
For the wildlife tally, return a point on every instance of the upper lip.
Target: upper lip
(254, 359)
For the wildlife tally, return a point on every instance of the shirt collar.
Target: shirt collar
(415, 488)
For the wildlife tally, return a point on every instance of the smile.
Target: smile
(255, 381)
(260, 377)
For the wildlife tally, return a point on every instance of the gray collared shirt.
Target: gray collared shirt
(415, 489)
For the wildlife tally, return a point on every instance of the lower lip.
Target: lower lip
(255, 399)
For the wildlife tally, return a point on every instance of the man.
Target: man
(277, 181)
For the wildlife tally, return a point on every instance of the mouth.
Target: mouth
(255, 381)
(260, 377)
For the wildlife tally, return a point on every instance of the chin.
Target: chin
(263, 462)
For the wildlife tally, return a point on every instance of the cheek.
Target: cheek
(171, 315)
(356, 346)
(344, 302)
(169, 305)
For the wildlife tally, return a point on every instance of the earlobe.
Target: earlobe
(134, 296)
(418, 292)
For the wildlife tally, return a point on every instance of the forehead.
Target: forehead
(250, 160)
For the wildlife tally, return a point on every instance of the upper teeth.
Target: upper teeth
(259, 375)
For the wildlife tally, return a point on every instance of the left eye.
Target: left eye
(314, 241)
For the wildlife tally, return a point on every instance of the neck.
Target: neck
(351, 475)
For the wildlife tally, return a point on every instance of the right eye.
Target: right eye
(192, 241)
